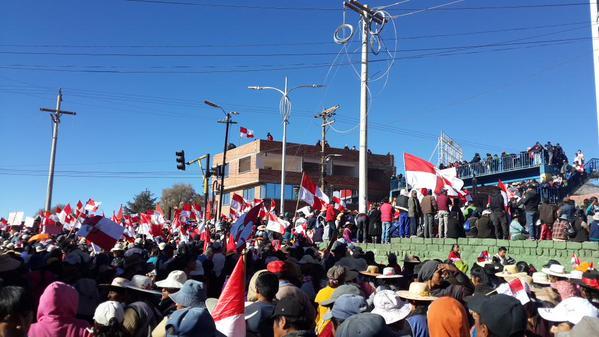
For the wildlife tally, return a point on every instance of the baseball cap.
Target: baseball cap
(290, 306)
(569, 310)
(107, 311)
(346, 306)
(364, 325)
(502, 314)
(191, 322)
(341, 290)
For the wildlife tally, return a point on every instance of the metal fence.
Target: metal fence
(505, 163)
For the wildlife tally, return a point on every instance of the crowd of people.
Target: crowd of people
(549, 154)
(64, 286)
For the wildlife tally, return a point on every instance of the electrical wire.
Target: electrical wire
(428, 9)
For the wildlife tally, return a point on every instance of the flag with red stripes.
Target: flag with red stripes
(101, 231)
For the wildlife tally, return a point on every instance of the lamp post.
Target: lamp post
(285, 109)
(228, 122)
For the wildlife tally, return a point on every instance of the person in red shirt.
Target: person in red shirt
(331, 215)
(387, 211)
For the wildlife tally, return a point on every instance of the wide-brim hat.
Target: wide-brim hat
(389, 272)
(411, 259)
(510, 271)
(352, 263)
(174, 280)
(306, 259)
(142, 283)
(556, 270)
(372, 270)
(540, 278)
(589, 280)
(7, 263)
(192, 294)
(417, 291)
(117, 283)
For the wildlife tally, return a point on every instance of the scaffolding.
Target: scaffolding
(448, 150)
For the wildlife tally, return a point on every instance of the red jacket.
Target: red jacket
(331, 213)
(443, 202)
(387, 212)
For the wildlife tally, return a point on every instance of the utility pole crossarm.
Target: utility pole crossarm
(62, 112)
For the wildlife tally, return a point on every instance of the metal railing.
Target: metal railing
(510, 162)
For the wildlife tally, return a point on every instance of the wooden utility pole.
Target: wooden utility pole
(55, 115)
(327, 119)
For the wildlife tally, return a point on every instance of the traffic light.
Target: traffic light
(180, 160)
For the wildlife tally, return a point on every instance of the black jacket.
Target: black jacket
(485, 227)
(531, 201)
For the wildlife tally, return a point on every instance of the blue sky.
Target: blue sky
(493, 78)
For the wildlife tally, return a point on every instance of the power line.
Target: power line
(237, 45)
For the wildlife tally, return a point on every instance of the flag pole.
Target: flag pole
(298, 195)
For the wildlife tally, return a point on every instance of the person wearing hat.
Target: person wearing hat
(191, 322)
(118, 255)
(345, 306)
(560, 228)
(409, 263)
(389, 278)
(368, 279)
(497, 316)
(173, 282)
(364, 325)
(287, 274)
(594, 228)
(108, 320)
(16, 311)
(389, 305)
(568, 313)
(419, 298)
(259, 313)
(117, 290)
(190, 295)
(589, 286)
(290, 319)
(336, 276)
(558, 279)
(141, 315)
(445, 280)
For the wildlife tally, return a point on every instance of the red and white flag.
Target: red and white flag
(101, 231)
(92, 206)
(515, 288)
(50, 224)
(246, 133)
(229, 313)
(423, 174)
(312, 194)
(276, 224)
(338, 204)
(504, 194)
(237, 203)
(243, 228)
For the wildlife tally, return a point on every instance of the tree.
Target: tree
(177, 195)
(141, 203)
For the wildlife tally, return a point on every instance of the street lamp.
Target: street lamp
(228, 122)
(285, 109)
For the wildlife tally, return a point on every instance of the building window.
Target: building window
(273, 191)
(245, 164)
(227, 198)
(249, 194)
(227, 170)
(218, 170)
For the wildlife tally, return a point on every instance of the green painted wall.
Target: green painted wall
(535, 252)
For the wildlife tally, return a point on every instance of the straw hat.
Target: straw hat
(510, 271)
(556, 270)
(418, 291)
(371, 271)
(117, 282)
(540, 278)
(389, 272)
(175, 280)
(142, 283)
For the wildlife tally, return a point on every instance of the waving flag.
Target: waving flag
(422, 174)
(243, 227)
(237, 203)
(312, 194)
(50, 224)
(504, 193)
(92, 206)
(229, 312)
(246, 133)
(101, 231)
(276, 224)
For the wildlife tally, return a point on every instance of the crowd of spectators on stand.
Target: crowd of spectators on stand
(549, 154)
(302, 285)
